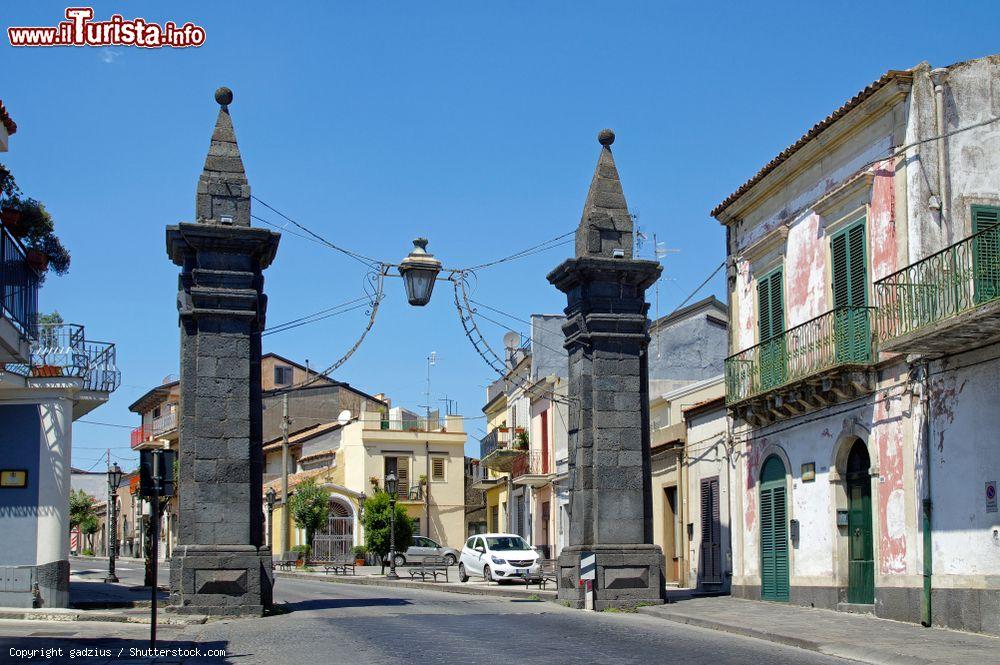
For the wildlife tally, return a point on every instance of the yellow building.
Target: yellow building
(351, 459)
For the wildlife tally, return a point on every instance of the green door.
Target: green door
(986, 253)
(852, 336)
(861, 564)
(771, 328)
(773, 532)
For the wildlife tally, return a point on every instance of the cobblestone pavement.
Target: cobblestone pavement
(337, 623)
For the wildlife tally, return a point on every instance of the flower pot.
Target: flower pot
(12, 220)
(299, 563)
(46, 370)
(37, 260)
(359, 562)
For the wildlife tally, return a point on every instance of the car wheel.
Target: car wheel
(462, 575)
(400, 560)
(487, 574)
(449, 559)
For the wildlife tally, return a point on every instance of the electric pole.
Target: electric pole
(284, 475)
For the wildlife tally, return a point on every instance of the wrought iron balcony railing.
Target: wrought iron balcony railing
(501, 438)
(840, 337)
(139, 436)
(63, 350)
(530, 464)
(18, 285)
(955, 280)
(165, 423)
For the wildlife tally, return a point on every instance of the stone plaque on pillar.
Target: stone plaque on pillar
(607, 333)
(220, 565)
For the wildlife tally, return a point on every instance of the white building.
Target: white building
(864, 288)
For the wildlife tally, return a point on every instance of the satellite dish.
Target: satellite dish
(344, 417)
(512, 340)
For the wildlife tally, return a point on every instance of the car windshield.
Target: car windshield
(507, 543)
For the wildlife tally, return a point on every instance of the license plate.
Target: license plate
(522, 571)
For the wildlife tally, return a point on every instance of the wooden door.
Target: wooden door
(774, 567)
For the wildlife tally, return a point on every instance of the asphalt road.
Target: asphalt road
(353, 624)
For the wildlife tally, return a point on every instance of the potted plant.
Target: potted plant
(10, 213)
(45, 250)
(360, 552)
(423, 478)
(374, 482)
(521, 441)
(303, 554)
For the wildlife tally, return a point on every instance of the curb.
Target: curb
(493, 592)
(105, 617)
(862, 654)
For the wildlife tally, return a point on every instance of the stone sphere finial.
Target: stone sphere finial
(606, 137)
(224, 96)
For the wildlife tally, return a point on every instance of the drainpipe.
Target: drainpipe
(427, 485)
(937, 77)
(927, 503)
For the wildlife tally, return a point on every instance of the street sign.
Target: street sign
(991, 496)
(146, 470)
(588, 566)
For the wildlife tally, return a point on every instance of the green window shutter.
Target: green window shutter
(986, 252)
(770, 305)
(850, 270)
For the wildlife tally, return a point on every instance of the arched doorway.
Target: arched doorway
(336, 538)
(773, 531)
(861, 558)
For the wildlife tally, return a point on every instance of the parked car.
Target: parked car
(498, 556)
(424, 547)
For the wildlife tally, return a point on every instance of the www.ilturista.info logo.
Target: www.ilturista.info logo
(81, 30)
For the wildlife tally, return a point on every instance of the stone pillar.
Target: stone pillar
(220, 564)
(607, 333)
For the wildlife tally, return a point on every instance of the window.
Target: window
(282, 375)
(416, 525)
(156, 412)
(771, 325)
(437, 469)
(401, 467)
(850, 294)
(470, 543)
(986, 253)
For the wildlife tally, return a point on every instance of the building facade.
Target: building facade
(50, 376)
(863, 289)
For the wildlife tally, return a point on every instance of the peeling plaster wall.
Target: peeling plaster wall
(805, 271)
(690, 349)
(964, 456)
(890, 502)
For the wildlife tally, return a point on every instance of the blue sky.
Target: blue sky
(471, 123)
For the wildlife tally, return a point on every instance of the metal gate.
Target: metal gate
(337, 537)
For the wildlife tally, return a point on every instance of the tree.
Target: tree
(309, 507)
(82, 514)
(376, 520)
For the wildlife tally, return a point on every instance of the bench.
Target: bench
(546, 572)
(432, 565)
(286, 561)
(338, 565)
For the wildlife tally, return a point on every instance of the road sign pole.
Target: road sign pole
(157, 483)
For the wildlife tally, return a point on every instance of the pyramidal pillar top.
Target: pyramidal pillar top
(223, 191)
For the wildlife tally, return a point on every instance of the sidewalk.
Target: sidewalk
(371, 576)
(857, 637)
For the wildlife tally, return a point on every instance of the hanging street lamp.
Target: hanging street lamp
(419, 270)
(114, 481)
(390, 487)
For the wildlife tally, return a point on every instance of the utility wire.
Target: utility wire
(541, 247)
(313, 318)
(367, 260)
(95, 422)
(700, 287)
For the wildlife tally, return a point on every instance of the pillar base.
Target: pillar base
(220, 580)
(626, 576)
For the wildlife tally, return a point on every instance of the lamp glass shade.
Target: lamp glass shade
(271, 496)
(419, 285)
(115, 476)
(390, 484)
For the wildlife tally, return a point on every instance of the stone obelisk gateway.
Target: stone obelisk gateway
(607, 333)
(220, 565)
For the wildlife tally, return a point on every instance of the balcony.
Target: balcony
(531, 469)
(18, 300)
(948, 302)
(165, 424)
(497, 450)
(821, 362)
(62, 350)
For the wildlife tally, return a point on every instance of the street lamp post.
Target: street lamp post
(114, 480)
(390, 487)
(419, 270)
(271, 496)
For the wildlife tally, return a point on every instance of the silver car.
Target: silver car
(424, 547)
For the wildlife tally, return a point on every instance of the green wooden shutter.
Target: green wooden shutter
(986, 253)
(774, 569)
(764, 308)
(852, 338)
(771, 325)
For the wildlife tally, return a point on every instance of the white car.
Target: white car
(498, 556)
